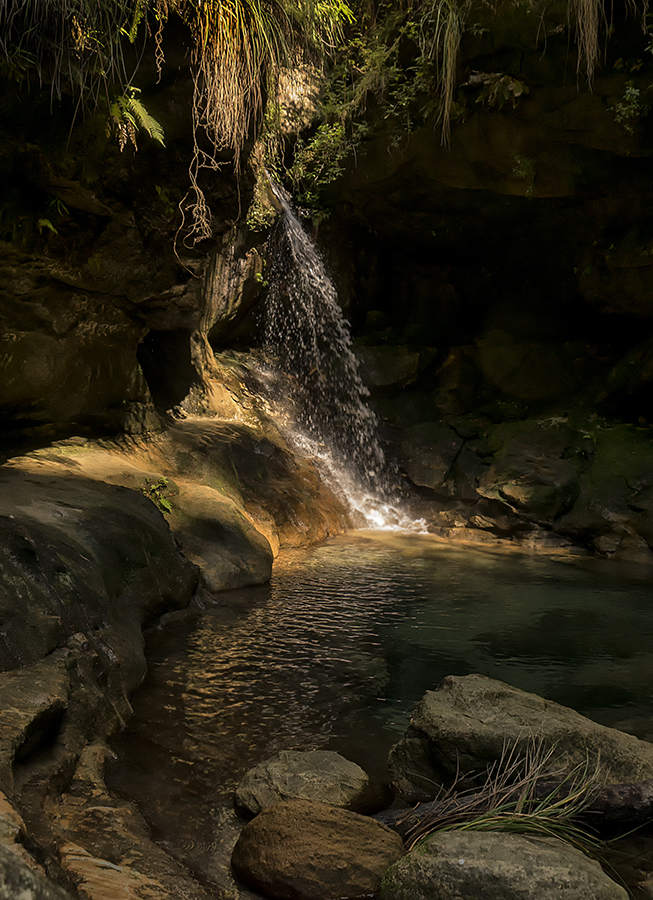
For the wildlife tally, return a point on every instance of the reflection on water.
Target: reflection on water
(338, 648)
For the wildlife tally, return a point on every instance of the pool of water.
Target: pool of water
(337, 649)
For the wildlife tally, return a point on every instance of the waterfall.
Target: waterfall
(308, 337)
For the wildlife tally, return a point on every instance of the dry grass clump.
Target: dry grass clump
(523, 794)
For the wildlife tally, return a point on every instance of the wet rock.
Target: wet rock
(645, 888)
(317, 775)
(467, 722)
(535, 468)
(382, 366)
(428, 451)
(78, 551)
(105, 846)
(492, 866)
(18, 881)
(614, 510)
(33, 701)
(309, 851)
(216, 536)
(231, 286)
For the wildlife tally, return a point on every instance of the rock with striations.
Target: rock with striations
(297, 850)
(18, 881)
(468, 722)
(318, 775)
(477, 865)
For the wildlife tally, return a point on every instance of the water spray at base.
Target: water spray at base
(307, 336)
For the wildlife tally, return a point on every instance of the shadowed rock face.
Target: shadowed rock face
(502, 288)
(87, 560)
(83, 556)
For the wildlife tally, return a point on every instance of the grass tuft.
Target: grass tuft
(522, 793)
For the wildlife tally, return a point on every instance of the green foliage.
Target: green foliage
(401, 63)
(525, 168)
(46, 223)
(163, 193)
(261, 214)
(74, 45)
(393, 66)
(239, 48)
(496, 89)
(156, 492)
(629, 110)
(21, 223)
(127, 116)
(317, 162)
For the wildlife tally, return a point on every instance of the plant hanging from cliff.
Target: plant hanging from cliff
(440, 32)
(127, 116)
(372, 66)
(73, 45)
(588, 15)
(239, 48)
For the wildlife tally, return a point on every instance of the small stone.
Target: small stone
(318, 775)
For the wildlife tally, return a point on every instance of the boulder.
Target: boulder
(382, 366)
(104, 844)
(217, 537)
(428, 451)
(298, 850)
(79, 555)
(614, 510)
(318, 775)
(528, 370)
(536, 467)
(468, 722)
(480, 865)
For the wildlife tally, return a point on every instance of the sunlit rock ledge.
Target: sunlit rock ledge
(98, 539)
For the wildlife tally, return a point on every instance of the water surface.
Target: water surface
(337, 650)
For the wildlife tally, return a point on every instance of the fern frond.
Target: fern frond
(127, 115)
(143, 119)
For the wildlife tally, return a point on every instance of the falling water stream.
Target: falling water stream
(307, 338)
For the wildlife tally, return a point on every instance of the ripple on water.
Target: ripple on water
(339, 647)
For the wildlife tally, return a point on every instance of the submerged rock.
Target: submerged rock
(299, 850)
(492, 866)
(317, 775)
(105, 846)
(469, 722)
